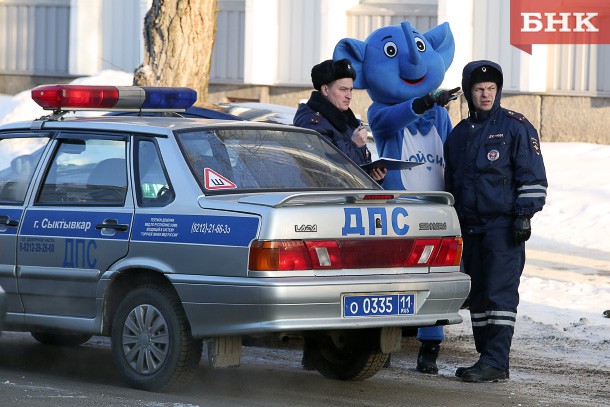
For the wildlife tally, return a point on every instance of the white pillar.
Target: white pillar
(333, 16)
(534, 73)
(261, 39)
(85, 37)
(459, 15)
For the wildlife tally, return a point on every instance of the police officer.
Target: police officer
(327, 112)
(494, 169)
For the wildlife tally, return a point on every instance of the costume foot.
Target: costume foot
(426, 358)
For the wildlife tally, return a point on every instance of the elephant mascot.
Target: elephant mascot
(401, 70)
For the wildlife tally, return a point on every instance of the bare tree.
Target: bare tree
(179, 39)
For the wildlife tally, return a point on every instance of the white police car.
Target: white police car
(163, 232)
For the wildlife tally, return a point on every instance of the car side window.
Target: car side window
(19, 157)
(153, 186)
(86, 172)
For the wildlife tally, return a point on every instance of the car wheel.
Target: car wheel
(60, 339)
(151, 340)
(346, 355)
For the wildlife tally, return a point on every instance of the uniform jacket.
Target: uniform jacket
(494, 165)
(322, 116)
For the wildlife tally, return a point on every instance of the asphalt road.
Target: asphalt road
(35, 375)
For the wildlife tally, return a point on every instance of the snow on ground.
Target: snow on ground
(566, 283)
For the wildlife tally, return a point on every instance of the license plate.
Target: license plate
(378, 305)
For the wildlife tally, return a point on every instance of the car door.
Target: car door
(79, 225)
(20, 153)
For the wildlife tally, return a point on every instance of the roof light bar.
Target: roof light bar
(124, 98)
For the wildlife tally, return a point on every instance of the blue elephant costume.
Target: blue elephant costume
(400, 68)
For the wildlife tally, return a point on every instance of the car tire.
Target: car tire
(55, 339)
(346, 355)
(152, 343)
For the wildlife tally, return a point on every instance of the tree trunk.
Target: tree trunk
(178, 40)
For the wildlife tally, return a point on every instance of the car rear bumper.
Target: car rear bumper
(265, 305)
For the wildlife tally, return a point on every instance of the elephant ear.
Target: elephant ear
(441, 39)
(353, 50)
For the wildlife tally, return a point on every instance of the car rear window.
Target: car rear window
(230, 161)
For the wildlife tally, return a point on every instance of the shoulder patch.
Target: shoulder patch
(535, 145)
(315, 118)
(515, 115)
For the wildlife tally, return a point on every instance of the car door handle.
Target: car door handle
(112, 224)
(6, 221)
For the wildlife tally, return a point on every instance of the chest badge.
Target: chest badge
(493, 155)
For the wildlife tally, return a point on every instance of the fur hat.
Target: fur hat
(329, 71)
(486, 73)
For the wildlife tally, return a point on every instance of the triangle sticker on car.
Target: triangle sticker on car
(214, 180)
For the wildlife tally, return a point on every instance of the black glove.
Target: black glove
(521, 229)
(440, 97)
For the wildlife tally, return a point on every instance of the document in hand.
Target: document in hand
(390, 164)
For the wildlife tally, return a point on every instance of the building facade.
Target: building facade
(264, 51)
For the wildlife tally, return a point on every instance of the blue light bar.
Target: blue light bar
(163, 98)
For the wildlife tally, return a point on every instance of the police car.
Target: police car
(165, 232)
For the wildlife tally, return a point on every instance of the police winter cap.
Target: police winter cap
(329, 71)
(486, 73)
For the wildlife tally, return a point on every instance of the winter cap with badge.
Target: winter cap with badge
(486, 73)
(329, 71)
(481, 71)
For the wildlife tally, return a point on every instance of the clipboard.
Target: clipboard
(390, 164)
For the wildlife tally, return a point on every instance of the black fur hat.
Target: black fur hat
(329, 71)
(486, 73)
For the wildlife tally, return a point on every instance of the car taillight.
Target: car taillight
(279, 255)
(450, 253)
(285, 255)
(324, 254)
(423, 251)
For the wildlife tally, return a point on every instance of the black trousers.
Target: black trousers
(495, 264)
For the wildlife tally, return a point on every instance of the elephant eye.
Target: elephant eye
(421, 45)
(390, 49)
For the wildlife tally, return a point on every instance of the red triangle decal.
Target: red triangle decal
(214, 180)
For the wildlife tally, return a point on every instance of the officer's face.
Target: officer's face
(483, 95)
(339, 93)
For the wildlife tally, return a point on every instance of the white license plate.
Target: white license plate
(370, 305)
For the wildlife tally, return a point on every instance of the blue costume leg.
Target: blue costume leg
(431, 333)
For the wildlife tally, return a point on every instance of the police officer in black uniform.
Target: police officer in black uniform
(495, 171)
(327, 112)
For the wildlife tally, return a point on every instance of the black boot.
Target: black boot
(482, 373)
(426, 358)
(459, 372)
